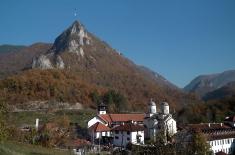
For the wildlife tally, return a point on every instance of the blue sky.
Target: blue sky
(179, 39)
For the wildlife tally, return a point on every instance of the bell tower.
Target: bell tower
(102, 108)
(152, 109)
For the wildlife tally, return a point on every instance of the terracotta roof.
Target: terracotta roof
(129, 127)
(214, 131)
(220, 153)
(109, 118)
(209, 126)
(230, 119)
(99, 127)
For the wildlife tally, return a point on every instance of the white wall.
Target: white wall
(97, 135)
(225, 145)
(121, 138)
(102, 112)
(134, 137)
(94, 120)
(171, 125)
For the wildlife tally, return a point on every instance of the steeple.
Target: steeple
(152, 107)
(102, 108)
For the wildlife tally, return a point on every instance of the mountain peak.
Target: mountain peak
(72, 39)
(76, 27)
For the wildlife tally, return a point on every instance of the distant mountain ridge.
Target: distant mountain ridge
(204, 84)
(10, 48)
(14, 60)
(227, 91)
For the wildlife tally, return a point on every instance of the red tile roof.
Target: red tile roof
(230, 119)
(129, 127)
(109, 118)
(221, 153)
(99, 127)
(209, 126)
(214, 131)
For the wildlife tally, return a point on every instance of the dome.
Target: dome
(165, 108)
(152, 107)
(152, 103)
(102, 104)
(165, 104)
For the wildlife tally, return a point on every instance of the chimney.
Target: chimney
(37, 124)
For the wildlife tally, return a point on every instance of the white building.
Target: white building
(112, 120)
(107, 126)
(128, 133)
(161, 121)
(220, 136)
(100, 133)
(225, 145)
(100, 126)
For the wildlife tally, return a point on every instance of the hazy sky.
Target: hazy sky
(179, 39)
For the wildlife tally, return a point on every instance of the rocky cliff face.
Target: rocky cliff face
(71, 40)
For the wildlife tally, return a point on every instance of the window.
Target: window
(138, 138)
(116, 137)
(128, 139)
(116, 132)
(128, 132)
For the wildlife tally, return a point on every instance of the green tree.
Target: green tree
(199, 145)
(95, 97)
(115, 98)
(3, 115)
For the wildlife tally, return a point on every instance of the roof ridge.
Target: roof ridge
(110, 118)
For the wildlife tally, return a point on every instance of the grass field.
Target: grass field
(28, 117)
(18, 119)
(15, 148)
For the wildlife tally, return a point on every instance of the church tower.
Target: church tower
(102, 108)
(152, 109)
(165, 110)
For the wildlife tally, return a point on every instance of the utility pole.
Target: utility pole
(99, 142)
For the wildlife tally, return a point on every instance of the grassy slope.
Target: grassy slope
(15, 148)
(28, 117)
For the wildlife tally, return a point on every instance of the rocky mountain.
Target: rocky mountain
(73, 41)
(207, 83)
(227, 91)
(97, 66)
